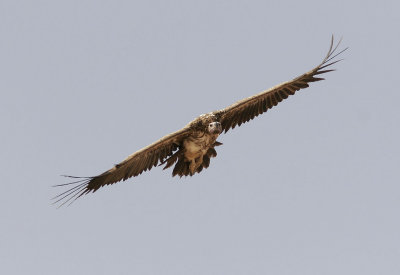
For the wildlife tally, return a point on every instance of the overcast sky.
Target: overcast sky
(310, 187)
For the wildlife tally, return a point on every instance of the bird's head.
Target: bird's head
(214, 128)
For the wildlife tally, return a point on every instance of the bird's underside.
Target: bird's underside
(191, 148)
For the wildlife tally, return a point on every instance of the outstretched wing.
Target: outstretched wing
(248, 108)
(132, 166)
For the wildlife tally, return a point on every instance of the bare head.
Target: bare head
(214, 127)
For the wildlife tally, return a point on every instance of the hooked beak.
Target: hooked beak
(215, 128)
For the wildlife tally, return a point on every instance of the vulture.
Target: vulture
(191, 148)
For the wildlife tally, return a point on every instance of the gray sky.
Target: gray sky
(311, 187)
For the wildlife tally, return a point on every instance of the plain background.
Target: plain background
(310, 187)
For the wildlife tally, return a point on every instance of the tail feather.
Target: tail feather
(182, 167)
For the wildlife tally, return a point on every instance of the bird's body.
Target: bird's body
(192, 147)
(197, 144)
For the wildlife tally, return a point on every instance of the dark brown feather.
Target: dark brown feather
(132, 166)
(248, 108)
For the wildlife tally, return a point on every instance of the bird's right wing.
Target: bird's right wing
(248, 108)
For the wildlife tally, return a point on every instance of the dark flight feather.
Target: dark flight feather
(249, 108)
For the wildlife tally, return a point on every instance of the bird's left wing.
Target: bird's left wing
(248, 108)
(132, 166)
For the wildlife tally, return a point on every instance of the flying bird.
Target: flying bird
(191, 148)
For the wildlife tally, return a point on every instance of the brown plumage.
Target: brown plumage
(192, 147)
